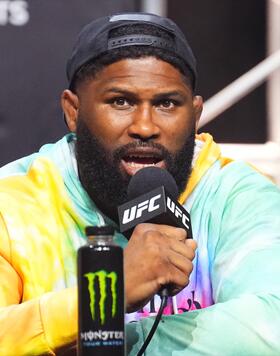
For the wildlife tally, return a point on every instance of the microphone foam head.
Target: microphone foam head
(149, 178)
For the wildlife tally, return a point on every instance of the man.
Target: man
(131, 103)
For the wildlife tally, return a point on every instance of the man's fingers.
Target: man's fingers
(181, 263)
(191, 243)
(177, 274)
(185, 249)
(174, 232)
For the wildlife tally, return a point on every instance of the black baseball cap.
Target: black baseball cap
(94, 40)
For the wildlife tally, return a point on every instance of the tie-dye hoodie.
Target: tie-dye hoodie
(231, 305)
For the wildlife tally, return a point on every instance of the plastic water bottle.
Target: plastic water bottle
(100, 295)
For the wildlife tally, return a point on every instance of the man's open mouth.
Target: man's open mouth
(135, 160)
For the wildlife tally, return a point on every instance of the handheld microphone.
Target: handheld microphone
(152, 194)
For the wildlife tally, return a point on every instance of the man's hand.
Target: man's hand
(156, 256)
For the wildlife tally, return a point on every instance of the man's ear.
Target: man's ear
(70, 106)
(197, 106)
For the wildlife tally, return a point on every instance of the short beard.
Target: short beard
(99, 170)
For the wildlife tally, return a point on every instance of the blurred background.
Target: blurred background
(229, 37)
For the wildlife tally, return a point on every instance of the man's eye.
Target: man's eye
(120, 102)
(167, 104)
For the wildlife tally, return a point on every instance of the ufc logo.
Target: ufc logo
(137, 210)
(177, 212)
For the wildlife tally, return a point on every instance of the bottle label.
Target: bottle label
(103, 277)
(101, 302)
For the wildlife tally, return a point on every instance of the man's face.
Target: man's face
(133, 114)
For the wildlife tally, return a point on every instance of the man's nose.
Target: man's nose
(143, 124)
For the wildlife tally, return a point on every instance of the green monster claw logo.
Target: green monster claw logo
(102, 276)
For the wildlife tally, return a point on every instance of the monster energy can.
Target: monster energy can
(100, 295)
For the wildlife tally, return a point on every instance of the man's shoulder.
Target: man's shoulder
(22, 165)
(40, 176)
(18, 167)
(27, 178)
(236, 180)
(244, 175)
